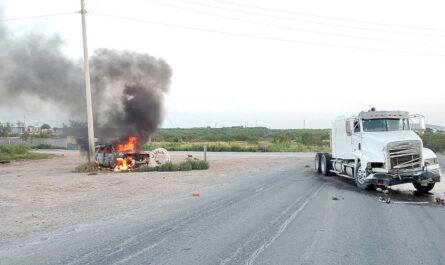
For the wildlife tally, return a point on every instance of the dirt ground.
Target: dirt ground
(40, 195)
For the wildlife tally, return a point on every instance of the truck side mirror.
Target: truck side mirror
(418, 123)
(348, 127)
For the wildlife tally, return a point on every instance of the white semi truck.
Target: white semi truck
(379, 148)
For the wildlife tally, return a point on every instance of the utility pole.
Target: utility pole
(87, 85)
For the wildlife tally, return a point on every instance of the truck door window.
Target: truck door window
(356, 126)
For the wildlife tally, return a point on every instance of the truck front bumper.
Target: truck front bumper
(427, 175)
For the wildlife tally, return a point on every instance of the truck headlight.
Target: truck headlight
(430, 161)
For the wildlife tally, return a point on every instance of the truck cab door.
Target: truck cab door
(356, 137)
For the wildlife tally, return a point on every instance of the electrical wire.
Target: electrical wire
(37, 16)
(310, 21)
(329, 17)
(292, 28)
(251, 36)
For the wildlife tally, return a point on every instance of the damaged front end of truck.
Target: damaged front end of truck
(404, 162)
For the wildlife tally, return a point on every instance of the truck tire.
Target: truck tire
(326, 164)
(317, 162)
(423, 189)
(359, 178)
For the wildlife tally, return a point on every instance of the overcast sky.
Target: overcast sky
(224, 80)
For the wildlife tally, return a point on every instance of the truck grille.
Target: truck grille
(405, 155)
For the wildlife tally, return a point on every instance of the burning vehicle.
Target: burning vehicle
(126, 156)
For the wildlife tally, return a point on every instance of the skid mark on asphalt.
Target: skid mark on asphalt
(256, 238)
(282, 228)
(264, 229)
(140, 252)
(309, 251)
(166, 230)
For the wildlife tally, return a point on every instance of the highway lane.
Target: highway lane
(278, 216)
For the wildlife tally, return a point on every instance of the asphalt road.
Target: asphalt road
(279, 216)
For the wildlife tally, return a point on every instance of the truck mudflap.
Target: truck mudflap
(389, 179)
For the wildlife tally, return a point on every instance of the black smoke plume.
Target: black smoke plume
(128, 88)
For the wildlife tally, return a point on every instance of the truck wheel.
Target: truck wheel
(360, 176)
(423, 189)
(317, 161)
(326, 164)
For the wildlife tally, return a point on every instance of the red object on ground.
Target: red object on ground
(195, 194)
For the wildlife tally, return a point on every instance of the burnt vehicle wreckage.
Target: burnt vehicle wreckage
(126, 156)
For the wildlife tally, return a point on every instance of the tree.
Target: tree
(5, 129)
(45, 126)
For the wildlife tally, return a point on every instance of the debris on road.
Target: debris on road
(440, 201)
(5, 161)
(384, 200)
(195, 194)
(382, 190)
(337, 198)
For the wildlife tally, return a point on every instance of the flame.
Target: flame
(121, 164)
(129, 146)
(125, 162)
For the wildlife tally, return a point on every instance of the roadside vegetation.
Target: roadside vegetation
(258, 139)
(434, 141)
(92, 168)
(89, 167)
(19, 152)
(240, 139)
(183, 166)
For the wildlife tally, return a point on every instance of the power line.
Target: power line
(251, 36)
(329, 17)
(38, 16)
(291, 28)
(310, 21)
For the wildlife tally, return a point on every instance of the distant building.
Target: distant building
(33, 129)
(17, 130)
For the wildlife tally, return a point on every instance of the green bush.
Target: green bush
(146, 169)
(169, 166)
(14, 152)
(88, 167)
(434, 141)
(199, 164)
(185, 166)
(13, 149)
(44, 146)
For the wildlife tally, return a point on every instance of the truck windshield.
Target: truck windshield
(377, 125)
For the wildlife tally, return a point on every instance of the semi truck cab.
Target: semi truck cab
(379, 148)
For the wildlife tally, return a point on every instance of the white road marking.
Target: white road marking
(282, 228)
(129, 257)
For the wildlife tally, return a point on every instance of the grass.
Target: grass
(45, 146)
(89, 167)
(238, 146)
(20, 152)
(183, 166)
(241, 139)
(434, 141)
